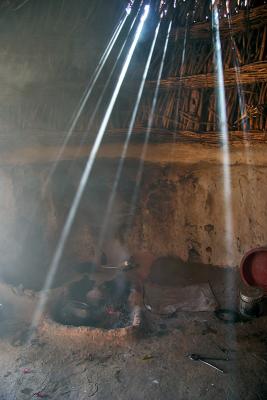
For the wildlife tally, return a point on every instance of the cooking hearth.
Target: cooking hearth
(85, 303)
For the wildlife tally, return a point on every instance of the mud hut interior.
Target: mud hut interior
(133, 199)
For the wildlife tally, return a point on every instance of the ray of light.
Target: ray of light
(84, 178)
(223, 126)
(100, 99)
(106, 54)
(230, 285)
(126, 143)
(148, 130)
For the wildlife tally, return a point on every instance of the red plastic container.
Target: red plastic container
(253, 268)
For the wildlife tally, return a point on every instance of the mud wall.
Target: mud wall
(180, 211)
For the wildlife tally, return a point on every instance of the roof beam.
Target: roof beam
(249, 73)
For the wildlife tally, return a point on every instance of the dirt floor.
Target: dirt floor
(153, 364)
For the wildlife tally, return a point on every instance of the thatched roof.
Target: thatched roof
(186, 107)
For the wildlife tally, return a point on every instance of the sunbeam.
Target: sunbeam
(148, 130)
(85, 176)
(100, 99)
(126, 143)
(224, 133)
